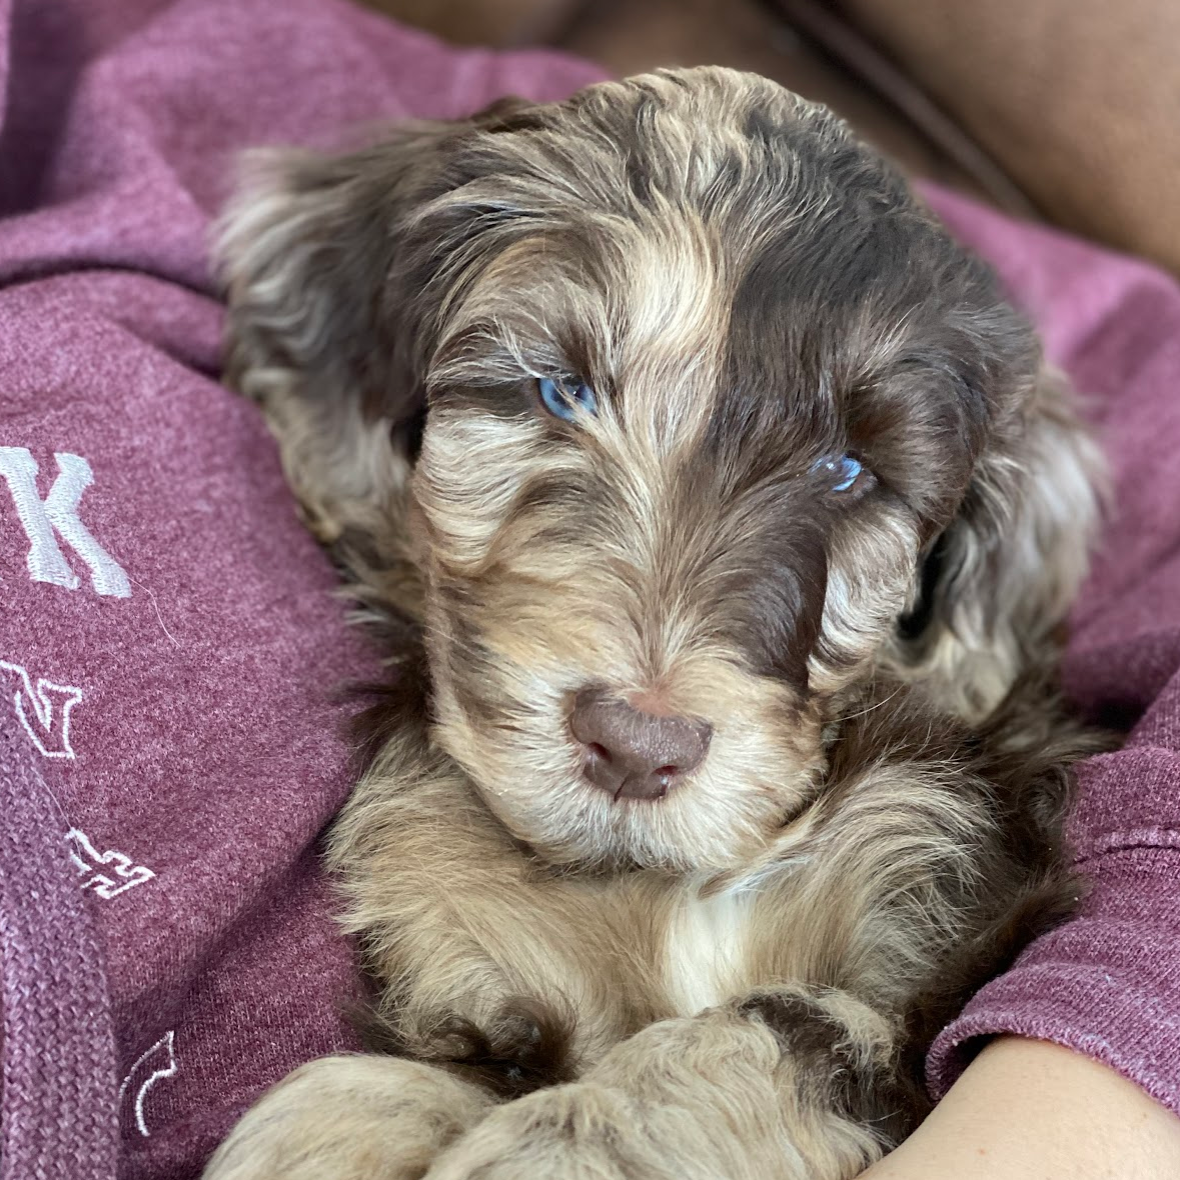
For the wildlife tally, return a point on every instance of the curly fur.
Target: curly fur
(739, 979)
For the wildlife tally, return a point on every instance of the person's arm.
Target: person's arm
(1033, 1110)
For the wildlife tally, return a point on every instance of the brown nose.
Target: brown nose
(631, 754)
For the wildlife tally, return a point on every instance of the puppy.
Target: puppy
(724, 518)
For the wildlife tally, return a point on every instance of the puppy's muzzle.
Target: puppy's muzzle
(633, 754)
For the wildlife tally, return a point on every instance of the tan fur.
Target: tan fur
(1023, 556)
(354, 1115)
(738, 979)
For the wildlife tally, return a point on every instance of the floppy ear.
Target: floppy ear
(998, 583)
(305, 250)
(328, 325)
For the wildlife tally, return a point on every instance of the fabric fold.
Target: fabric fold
(58, 1101)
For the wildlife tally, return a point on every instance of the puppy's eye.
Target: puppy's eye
(844, 472)
(566, 398)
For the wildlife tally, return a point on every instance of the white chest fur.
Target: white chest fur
(705, 950)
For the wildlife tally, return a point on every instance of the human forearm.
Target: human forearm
(1027, 1110)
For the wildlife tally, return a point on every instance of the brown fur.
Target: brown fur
(739, 979)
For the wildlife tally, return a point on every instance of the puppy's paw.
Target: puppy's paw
(767, 1083)
(514, 1049)
(350, 1118)
(720, 1075)
(572, 1132)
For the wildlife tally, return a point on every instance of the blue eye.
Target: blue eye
(565, 399)
(843, 470)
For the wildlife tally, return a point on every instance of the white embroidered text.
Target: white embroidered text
(154, 1065)
(59, 511)
(42, 708)
(108, 873)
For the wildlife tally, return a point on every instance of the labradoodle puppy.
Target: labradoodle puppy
(723, 518)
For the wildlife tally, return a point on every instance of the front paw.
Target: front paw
(512, 1048)
(590, 1132)
(350, 1118)
(575, 1132)
(778, 1085)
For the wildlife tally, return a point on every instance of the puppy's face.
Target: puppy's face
(697, 403)
(719, 422)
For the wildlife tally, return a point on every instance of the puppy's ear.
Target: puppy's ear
(329, 320)
(305, 251)
(329, 325)
(998, 583)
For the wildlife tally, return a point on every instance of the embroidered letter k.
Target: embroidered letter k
(59, 510)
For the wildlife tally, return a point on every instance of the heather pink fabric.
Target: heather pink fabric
(1108, 983)
(181, 724)
(170, 732)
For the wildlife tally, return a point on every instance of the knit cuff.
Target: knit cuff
(1107, 984)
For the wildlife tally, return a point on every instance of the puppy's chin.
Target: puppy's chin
(720, 818)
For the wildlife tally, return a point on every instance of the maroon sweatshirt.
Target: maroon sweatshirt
(170, 648)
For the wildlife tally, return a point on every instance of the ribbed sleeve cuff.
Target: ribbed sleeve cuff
(1107, 984)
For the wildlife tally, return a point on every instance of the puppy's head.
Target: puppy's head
(690, 419)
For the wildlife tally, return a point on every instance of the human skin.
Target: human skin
(1031, 1110)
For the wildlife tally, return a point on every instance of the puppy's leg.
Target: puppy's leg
(585, 1131)
(788, 1083)
(784, 1085)
(350, 1118)
(681, 1100)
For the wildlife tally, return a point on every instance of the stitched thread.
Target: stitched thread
(85, 857)
(59, 510)
(168, 1043)
(41, 699)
